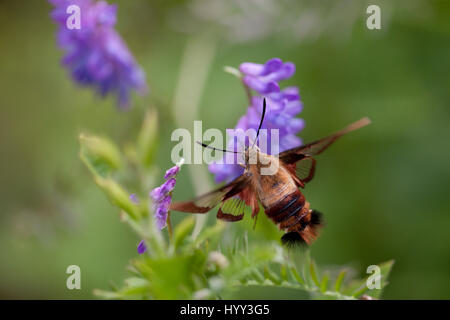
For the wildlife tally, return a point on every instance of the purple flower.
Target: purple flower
(172, 172)
(283, 105)
(141, 248)
(134, 198)
(96, 55)
(162, 195)
(161, 212)
(264, 78)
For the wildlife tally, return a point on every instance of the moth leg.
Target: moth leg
(255, 212)
(255, 218)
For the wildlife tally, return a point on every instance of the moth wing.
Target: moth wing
(234, 208)
(300, 160)
(305, 169)
(314, 148)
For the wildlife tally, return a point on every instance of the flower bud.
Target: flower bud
(99, 153)
(218, 259)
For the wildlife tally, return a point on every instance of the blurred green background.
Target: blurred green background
(383, 190)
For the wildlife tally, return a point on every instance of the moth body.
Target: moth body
(273, 181)
(282, 200)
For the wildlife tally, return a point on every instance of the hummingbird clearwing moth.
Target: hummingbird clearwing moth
(278, 193)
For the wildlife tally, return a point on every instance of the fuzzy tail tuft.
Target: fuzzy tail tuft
(293, 239)
(307, 235)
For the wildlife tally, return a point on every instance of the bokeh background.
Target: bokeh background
(384, 190)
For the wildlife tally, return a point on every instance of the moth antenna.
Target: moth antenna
(209, 147)
(262, 120)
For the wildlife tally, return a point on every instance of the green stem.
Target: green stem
(169, 227)
(196, 61)
(248, 92)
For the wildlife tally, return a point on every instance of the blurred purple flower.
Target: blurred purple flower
(134, 198)
(162, 195)
(282, 108)
(141, 248)
(96, 55)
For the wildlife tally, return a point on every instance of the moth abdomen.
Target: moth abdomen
(286, 208)
(293, 214)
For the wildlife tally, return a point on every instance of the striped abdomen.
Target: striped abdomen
(293, 215)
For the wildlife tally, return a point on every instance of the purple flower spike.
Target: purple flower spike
(172, 172)
(162, 195)
(161, 212)
(168, 186)
(263, 78)
(141, 248)
(159, 193)
(282, 108)
(96, 55)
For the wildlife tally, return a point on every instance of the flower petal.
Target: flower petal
(141, 248)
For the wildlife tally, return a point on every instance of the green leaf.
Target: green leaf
(270, 275)
(135, 288)
(283, 272)
(104, 294)
(386, 268)
(257, 276)
(296, 275)
(100, 155)
(339, 280)
(324, 282)
(173, 277)
(118, 196)
(147, 143)
(359, 287)
(182, 230)
(211, 233)
(312, 272)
